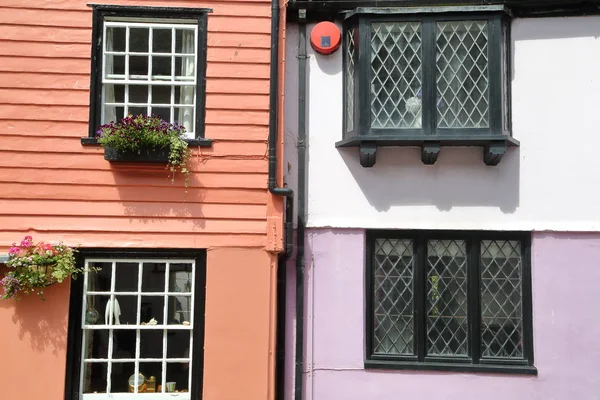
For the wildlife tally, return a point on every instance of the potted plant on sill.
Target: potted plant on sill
(146, 139)
(35, 266)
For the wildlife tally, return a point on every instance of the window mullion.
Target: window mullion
(429, 77)
(127, 77)
(84, 308)
(364, 69)
(113, 274)
(474, 299)
(420, 293)
(495, 73)
(192, 322)
(150, 72)
(526, 293)
(166, 319)
(103, 74)
(370, 293)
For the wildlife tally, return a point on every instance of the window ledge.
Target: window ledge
(199, 142)
(494, 146)
(450, 367)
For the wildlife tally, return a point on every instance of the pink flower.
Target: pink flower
(26, 242)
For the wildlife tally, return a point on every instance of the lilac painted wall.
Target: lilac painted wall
(566, 305)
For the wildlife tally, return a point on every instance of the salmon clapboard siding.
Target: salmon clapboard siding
(54, 187)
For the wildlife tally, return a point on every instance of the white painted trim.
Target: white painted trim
(182, 294)
(160, 25)
(130, 396)
(125, 360)
(110, 325)
(148, 79)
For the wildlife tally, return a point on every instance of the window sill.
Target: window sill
(199, 142)
(450, 367)
(494, 146)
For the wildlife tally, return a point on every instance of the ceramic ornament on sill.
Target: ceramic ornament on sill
(414, 105)
(116, 310)
(34, 266)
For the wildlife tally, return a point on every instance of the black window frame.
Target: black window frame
(75, 331)
(473, 362)
(99, 14)
(494, 139)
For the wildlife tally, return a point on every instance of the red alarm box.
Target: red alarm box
(325, 37)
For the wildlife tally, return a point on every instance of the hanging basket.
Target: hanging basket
(47, 270)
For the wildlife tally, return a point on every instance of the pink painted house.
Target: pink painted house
(185, 303)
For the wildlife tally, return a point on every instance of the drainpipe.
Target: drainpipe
(300, 263)
(273, 124)
(279, 191)
(302, 180)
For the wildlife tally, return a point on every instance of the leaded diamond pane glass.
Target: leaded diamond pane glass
(447, 323)
(501, 299)
(396, 75)
(350, 50)
(393, 297)
(462, 74)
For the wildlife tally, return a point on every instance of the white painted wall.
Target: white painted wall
(552, 182)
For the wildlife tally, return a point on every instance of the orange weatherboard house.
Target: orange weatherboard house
(142, 203)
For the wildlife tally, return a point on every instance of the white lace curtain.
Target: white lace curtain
(186, 114)
(110, 113)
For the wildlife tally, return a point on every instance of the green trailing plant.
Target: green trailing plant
(34, 266)
(133, 134)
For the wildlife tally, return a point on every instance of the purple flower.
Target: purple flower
(11, 285)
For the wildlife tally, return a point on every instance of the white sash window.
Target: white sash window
(137, 324)
(150, 68)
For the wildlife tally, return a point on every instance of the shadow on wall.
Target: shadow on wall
(459, 178)
(43, 323)
(150, 197)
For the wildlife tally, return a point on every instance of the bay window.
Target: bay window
(427, 77)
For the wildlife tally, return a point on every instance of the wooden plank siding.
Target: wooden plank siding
(55, 188)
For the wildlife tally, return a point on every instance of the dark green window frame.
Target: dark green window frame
(402, 298)
(358, 128)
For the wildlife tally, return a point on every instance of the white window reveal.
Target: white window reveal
(150, 68)
(138, 322)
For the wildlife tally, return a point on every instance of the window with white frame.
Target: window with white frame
(150, 62)
(141, 328)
